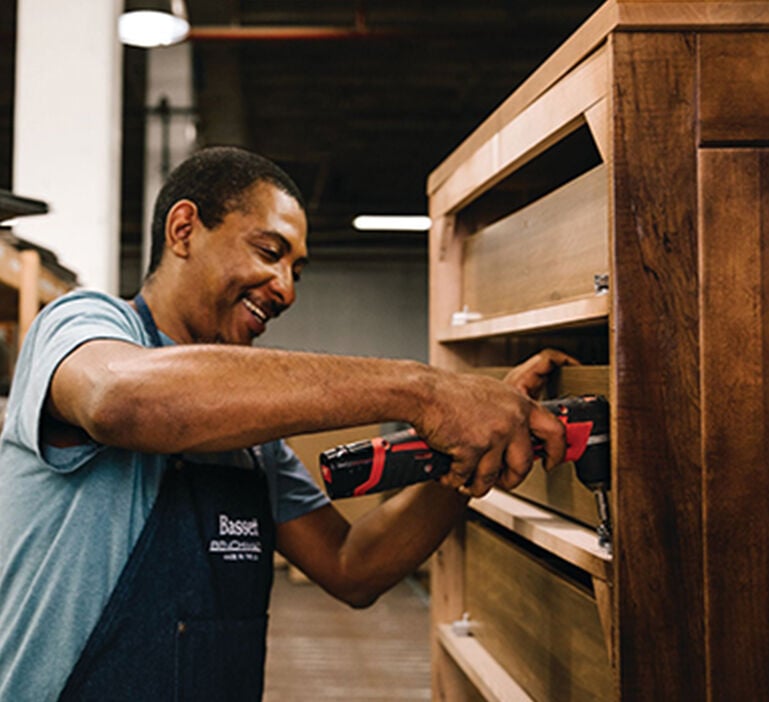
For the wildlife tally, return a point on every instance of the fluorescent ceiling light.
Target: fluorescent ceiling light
(153, 24)
(392, 223)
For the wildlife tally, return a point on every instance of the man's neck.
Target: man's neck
(163, 313)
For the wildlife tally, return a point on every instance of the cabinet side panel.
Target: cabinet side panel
(447, 605)
(735, 320)
(656, 404)
(445, 289)
(734, 99)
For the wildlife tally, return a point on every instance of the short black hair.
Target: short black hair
(214, 178)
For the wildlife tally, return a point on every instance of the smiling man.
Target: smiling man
(144, 483)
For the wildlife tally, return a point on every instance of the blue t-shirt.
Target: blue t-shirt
(69, 517)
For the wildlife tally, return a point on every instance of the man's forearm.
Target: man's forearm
(392, 540)
(358, 562)
(216, 398)
(206, 398)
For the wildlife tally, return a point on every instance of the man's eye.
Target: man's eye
(297, 275)
(270, 254)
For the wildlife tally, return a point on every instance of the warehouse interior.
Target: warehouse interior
(358, 101)
(389, 107)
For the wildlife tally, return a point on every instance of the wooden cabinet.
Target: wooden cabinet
(30, 276)
(637, 154)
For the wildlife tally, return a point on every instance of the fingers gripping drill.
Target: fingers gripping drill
(402, 458)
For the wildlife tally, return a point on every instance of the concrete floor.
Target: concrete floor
(320, 649)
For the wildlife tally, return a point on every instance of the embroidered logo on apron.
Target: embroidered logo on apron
(247, 544)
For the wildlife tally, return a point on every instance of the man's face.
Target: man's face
(245, 270)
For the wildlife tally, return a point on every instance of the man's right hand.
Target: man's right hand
(486, 425)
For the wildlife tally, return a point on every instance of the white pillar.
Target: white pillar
(67, 132)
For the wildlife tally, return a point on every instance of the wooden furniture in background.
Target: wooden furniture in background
(638, 150)
(30, 277)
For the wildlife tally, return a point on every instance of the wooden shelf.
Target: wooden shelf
(673, 95)
(12, 260)
(562, 110)
(30, 276)
(480, 667)
(562, 537)
(584, 310)
(611, 16)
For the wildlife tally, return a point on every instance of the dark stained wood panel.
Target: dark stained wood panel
(734, 88)
(656, 456)
(735, 333)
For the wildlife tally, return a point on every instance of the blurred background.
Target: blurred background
(357, 99)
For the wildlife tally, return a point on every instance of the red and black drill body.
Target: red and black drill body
(402, 458)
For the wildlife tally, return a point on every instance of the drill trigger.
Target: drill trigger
(577, 437)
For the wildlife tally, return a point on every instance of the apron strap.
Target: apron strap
(148, 320)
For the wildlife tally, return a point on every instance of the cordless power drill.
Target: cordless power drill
(402, 458)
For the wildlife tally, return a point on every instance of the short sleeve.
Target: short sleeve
(62, 326)
(293, 491)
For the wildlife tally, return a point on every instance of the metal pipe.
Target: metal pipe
(293, 32)
(286, 33)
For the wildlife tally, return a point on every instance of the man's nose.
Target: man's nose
(282, 285)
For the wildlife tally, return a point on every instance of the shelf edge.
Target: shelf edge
(586, 309)
(562, 537)
(481, 668)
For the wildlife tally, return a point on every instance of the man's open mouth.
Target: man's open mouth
(258, 312)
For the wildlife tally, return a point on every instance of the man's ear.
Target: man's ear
(179, 226)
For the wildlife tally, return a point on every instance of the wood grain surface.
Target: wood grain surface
(447, 604)
(734, 88)
(735, 289)
(684, 134)
(565, 238)
(543, 630)
(658, 576)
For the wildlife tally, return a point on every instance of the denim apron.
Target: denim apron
(187, 619)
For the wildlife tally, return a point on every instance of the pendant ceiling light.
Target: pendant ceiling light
(149, 23)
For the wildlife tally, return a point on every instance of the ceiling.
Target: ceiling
(360, 101)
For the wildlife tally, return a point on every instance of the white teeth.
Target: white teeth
(254, 310)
